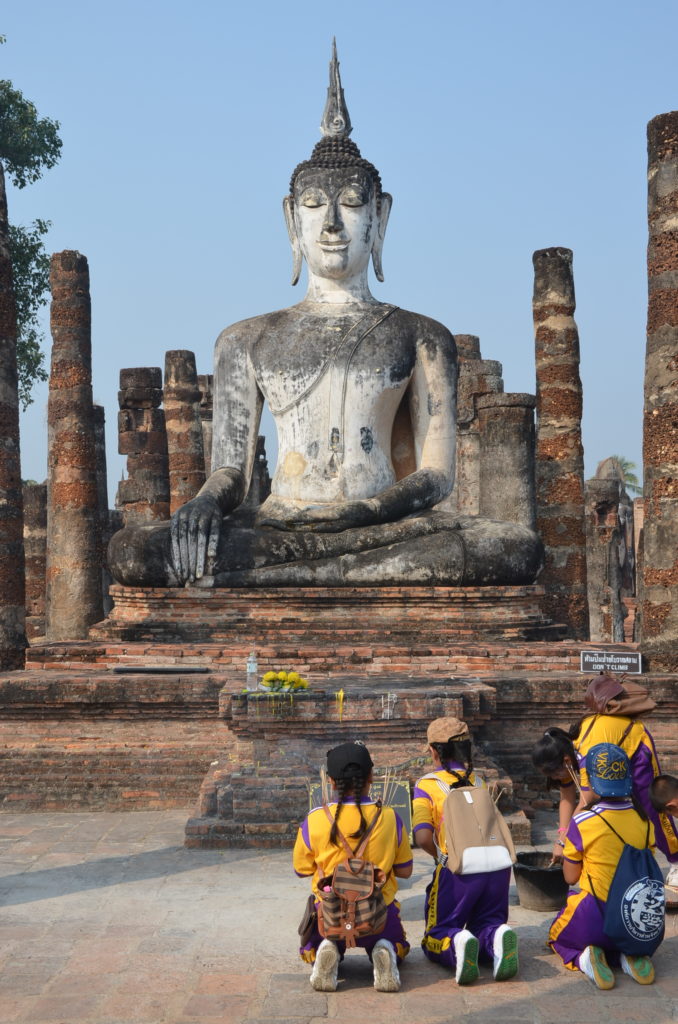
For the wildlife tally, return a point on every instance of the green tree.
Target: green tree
(30, 270)
(627, 471)
(29, 145)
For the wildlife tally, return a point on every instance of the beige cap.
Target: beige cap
(441, 730)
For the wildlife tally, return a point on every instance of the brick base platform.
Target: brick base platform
(136, 715)
(351, 615)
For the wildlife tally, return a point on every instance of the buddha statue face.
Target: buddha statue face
(336, 222)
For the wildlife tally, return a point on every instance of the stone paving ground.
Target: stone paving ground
(106, 918)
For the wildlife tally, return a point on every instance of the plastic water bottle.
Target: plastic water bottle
(252, 671)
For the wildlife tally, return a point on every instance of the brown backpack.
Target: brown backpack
(351, 900)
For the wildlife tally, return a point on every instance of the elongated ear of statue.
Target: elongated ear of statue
(384, 212)
(297, 255)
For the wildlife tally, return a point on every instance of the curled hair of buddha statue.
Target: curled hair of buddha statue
(335, 151)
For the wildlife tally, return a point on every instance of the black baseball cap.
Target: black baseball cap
(347, 756)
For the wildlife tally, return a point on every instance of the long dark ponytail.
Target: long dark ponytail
(351, 784)
(459, 751)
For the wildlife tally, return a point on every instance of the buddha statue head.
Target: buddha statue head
(336, 212)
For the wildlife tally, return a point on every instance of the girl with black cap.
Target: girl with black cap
(318, 851)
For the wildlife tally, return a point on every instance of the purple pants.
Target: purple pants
(454, 902)
(578, 925)
(393, 931)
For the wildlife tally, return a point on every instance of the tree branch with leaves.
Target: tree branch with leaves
(29, 145)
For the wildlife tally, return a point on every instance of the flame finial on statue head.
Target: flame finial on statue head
(336, 122)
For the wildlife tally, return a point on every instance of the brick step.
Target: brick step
(318, 658)
(100, 764)
(97, 692)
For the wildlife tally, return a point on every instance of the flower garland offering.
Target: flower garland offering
(283, 682)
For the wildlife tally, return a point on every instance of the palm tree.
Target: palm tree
(627, 473)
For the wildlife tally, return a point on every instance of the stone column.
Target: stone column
(506, 471)
(74, 556)
(35, 546)
(560, 454)
(184, 428)
(144, 496)
(12, 591)
(603, 568)
(102, 501)
(659, 598)
(205, 384)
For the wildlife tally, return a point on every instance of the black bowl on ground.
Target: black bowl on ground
(540, 887)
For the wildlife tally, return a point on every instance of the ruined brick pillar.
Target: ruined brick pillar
(260, 484)
(35, 546)
(206, 384)
(468, 346)
(604, 572)
(12, 591)
(184, 428)
(475, 377)
(74, 556)
(659, 596)
(560, 454)
(506, 464)
(144, 497)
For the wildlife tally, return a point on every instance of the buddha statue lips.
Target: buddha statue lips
(364, 399)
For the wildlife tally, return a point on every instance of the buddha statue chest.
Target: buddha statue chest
(334, 384)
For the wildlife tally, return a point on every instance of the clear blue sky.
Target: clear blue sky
(499, 128)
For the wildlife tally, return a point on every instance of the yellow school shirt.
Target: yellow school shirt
(388, 845)
(611, 729)
(593, 844)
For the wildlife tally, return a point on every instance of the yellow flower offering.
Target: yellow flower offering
(282, 676)
(269, 677)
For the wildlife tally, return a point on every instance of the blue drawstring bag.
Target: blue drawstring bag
(633, 914)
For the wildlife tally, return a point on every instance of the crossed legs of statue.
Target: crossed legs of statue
(430, 549)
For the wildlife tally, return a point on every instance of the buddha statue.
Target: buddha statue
(363, 395)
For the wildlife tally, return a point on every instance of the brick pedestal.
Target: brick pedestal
(351, 615)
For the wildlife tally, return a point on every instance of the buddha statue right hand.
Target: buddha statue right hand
(194, 534)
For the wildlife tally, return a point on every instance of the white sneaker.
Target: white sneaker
(326, 967)
(672, 877)
(385, 966)
(505, 950)
(593, 964)
(466, 953)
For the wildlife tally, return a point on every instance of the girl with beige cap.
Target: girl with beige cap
(465, 915)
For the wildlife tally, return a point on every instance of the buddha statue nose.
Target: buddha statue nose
(333, 220)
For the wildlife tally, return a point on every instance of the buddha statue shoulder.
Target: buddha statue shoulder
(363, 395)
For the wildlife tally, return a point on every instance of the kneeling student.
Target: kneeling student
(466, 904)
(596, 845)
(328, 835)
